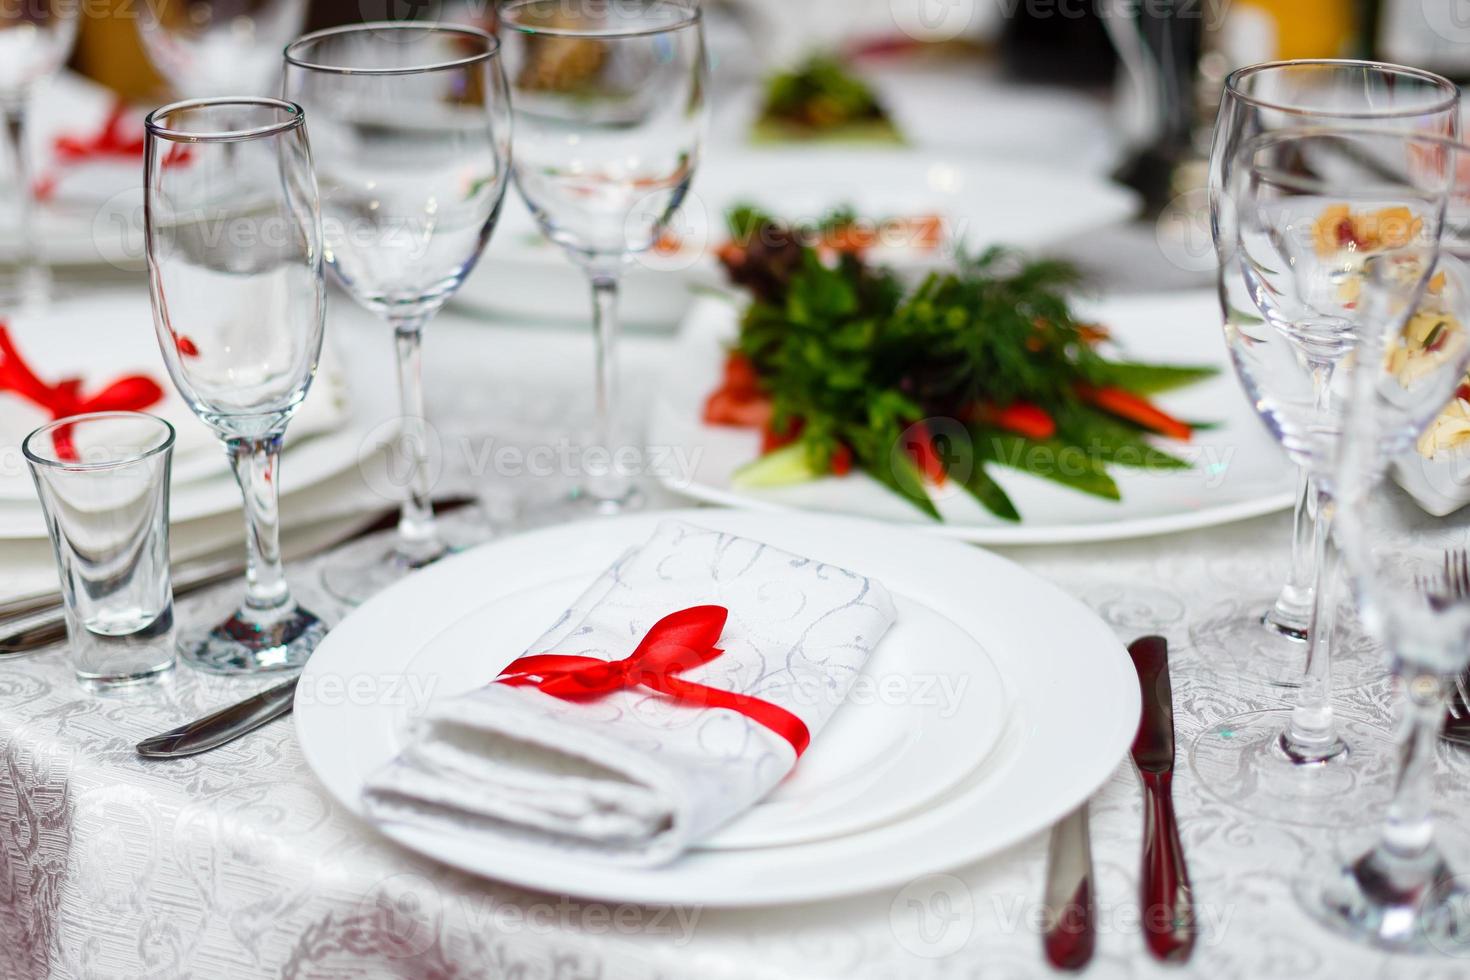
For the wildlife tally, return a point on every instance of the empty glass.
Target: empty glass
(103, 483)
(1336, 234)
(35, 40)
(1292, 95)
(219, 47)
(411, 132)
(1410, 571)
(610, 114)
(235, 271)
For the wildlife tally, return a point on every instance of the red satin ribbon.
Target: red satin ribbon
(112, 141)
(64, 399)
(680, 641)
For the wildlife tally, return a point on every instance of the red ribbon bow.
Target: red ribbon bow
(64, 399)
(114, 140)
(680, 641)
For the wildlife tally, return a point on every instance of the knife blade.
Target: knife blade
(225, 725)
(1071, 930)
(24, 633)
(1168, 902)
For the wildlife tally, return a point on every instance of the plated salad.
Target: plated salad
(823, 100)
(843, 368)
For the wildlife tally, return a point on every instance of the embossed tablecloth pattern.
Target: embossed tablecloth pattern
(236, 863)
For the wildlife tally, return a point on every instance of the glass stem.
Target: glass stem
(1311, 735)
(606, 485)
(1293, 608)
(32, 279)
(1408, 830)
(418, 536)
(256, 464)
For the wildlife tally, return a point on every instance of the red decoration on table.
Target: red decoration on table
(64, 399)
(114, 140)
(680, 641)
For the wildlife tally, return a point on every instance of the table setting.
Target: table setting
(885, 585)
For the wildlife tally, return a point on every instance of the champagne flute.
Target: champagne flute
(1410, 572)
(610, 114)
(412, 140)
(1336, 234)
(1293, 95)
(234, 238)
(35, 40)
(219, 47)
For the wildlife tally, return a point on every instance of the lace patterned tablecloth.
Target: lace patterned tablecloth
(236, 863)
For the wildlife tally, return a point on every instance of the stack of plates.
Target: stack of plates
(105, 335)
(972, 727)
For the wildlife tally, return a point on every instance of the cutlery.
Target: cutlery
(225, 725)
(1454, 587)
(1071, 932)
(45, 622)
(1168, 905)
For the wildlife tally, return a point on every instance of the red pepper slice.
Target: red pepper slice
(919, 442)
(1022, 418)
(842, 461)
(729, 407)
(1134, 408)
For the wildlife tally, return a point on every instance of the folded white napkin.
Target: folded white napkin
(633, 776)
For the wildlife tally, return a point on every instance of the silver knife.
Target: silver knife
(1071, 930)
(1168, 899)
(46, 622)
(225, 725)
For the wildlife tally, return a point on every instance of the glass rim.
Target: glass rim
(1450, 90)
(77, 465)
(693, 14)
(492, 49)
(295, 119)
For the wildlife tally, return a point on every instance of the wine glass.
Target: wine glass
(412, 139)
(219, 47)
(1410, 572)
(35, 40)
(1284, 95)
(234, 241)
(610, 114)
(1336, 234)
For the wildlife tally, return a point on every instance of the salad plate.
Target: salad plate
(1049, 706)
(1236, 470)
(976, 203)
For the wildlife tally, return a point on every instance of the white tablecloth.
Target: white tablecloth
(236, 863)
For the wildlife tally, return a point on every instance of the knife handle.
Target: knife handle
(1071, 933)
(1168, 902)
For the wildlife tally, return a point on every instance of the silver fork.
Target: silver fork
(1456, 588)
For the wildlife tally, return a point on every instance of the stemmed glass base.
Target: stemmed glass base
(367, 567)
(1411, 904)
(244, 645)
(1245, 761)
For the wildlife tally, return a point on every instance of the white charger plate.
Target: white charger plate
(1239, 470)
(1071, 689)
(983, 202)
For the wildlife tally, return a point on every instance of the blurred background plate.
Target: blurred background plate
(981, 202)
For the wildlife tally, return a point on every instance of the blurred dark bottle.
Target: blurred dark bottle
(1057, 42)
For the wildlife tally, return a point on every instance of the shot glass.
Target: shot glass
(103, 482)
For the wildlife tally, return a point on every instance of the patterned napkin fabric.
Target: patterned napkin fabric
(635, 777)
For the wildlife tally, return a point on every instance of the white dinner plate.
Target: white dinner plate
(882, 757)
(982, 202)
(1069, 693)
(1238, 472)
